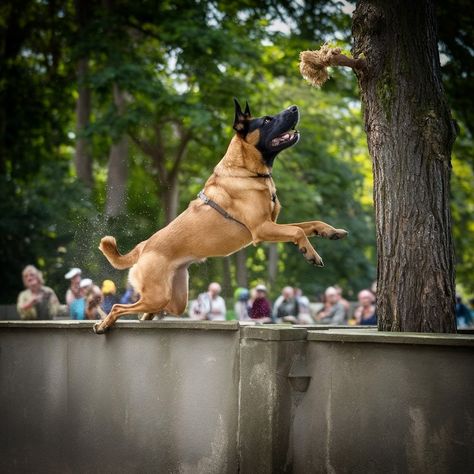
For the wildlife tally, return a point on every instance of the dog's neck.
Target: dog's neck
(243, 158)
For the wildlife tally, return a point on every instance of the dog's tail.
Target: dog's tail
(108, 247)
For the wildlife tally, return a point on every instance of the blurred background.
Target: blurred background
(114, 113)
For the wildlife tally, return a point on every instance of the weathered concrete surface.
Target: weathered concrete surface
(267, 398)
(134, 401)
(374, 407)
(202, 397)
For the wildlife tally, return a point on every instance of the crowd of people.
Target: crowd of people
(83, 300)
(86, 300)
(292, 306)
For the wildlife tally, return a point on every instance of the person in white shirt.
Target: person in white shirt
(210, 305)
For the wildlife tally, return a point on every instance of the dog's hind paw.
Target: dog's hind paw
(98, 329)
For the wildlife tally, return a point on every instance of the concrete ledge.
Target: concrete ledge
(130, 324)
(363, 335)
(274, 332)
(325, 327)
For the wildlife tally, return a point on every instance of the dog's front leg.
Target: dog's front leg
(322, 229)
(271, 232)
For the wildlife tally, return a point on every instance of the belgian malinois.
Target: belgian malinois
(238, 206)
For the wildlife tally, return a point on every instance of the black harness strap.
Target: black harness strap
(218, 208)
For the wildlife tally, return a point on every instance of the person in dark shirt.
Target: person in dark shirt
(261, 310)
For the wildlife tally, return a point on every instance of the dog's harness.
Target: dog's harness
(222, 211)
(218, 208)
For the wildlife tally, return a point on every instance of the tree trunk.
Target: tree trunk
(82, 157)
(117, 166)
(241, 268)
(170, 199)
(410, 134)
(272, 263)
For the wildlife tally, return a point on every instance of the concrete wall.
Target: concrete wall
(201, 397)
(136, 400)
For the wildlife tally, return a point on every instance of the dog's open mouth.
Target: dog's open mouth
(286, 137)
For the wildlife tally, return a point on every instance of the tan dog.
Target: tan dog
(238, 206)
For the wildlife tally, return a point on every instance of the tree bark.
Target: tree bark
(410, 135)
(241, 273)
(118, 165)
(82, 156)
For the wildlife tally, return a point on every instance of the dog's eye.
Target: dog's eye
(267, 120)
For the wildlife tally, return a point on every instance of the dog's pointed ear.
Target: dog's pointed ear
(247, 109)
(239, 119)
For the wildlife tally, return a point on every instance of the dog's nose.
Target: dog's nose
(293, 108)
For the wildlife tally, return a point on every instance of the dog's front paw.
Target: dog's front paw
(334, 234)
(339, 234)
(312, 257)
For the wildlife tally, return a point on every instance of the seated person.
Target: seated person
(333, 312)
(364, 314)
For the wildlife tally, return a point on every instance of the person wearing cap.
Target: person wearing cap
(261, 310)
(74, 291)
(241, 306)
(86, 307)
(109, 291)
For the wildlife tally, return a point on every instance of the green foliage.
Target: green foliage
(180, 63)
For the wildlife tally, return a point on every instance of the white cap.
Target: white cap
(85, 282)
(261, 288)
(72, 273)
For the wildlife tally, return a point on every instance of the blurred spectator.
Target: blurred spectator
(87, 306)
(241, 306)
(463, 315)
(209, 305)
(36, 301)
(73, 292)
(342, 300)
(333, 311)
(130, 296)
(261, 310)
(365, 313)
(286, 306)
(110, 298)
(304, 315)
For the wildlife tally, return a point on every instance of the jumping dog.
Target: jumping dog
(237, 206)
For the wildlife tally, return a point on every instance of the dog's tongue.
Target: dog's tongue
(281, 138)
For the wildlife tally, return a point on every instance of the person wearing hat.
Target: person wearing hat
(261, 310)
(110, 298)
(74, 291)
(241, 306)
(86, 307)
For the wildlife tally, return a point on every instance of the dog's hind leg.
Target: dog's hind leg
(145, 305)
(179, 292)
(322, 229)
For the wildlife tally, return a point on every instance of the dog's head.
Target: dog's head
(269, 134)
